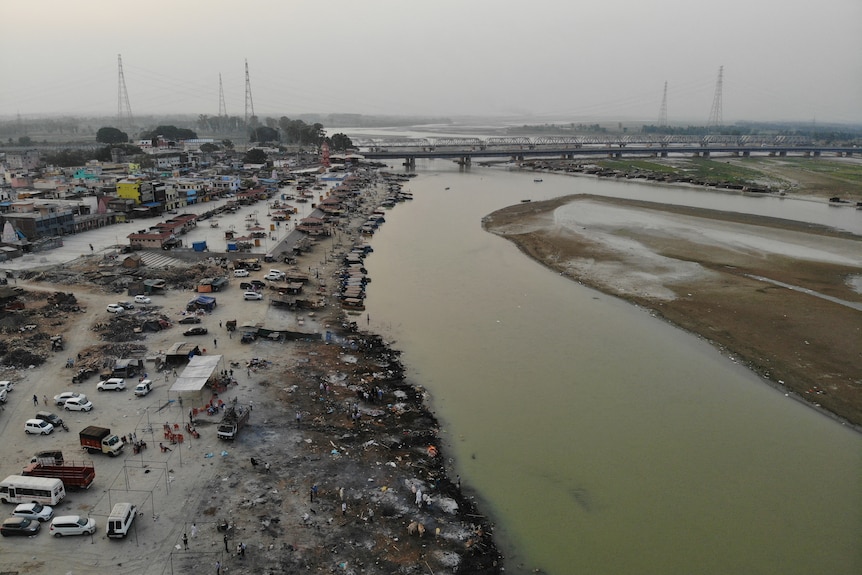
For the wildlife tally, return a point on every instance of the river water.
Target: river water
(600, 439)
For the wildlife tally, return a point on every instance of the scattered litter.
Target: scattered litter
(208, 455)
(224, 453)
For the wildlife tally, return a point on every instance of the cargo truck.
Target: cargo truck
(235, 416)
(100, 439)
(73, 474)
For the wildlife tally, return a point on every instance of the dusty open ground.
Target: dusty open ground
(699, 269)
(367, 469)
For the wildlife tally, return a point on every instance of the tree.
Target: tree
(108, 135)
(340, 142)
(208, 148)
(227, 144)
(263, 134)
(171, 133)
(255, 156)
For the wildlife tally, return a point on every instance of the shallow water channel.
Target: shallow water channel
(600, 439)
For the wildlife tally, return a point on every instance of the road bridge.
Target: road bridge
(464, 150)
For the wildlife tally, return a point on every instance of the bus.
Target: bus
(26, 489)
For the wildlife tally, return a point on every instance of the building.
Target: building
(40, 220)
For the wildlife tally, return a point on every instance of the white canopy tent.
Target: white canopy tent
(196, 373)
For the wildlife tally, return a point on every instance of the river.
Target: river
(602, 440)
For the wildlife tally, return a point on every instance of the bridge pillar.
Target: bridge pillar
(410, 163)
(746, 153)
(782, 153)
(663, 154)
(706, 154)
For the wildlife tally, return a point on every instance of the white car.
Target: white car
(38, 427)
(78, 404)
(142, 299)
(6, 385)
(35, 511)
(240, 273)
(3, 396)
(252, 295)
(72, 525)
(143, 388)
(112, 384)
(115, 308)
(274, 275)
(62, 398)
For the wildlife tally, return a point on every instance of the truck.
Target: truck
(235, 416)
(95, 439)
(73, 474)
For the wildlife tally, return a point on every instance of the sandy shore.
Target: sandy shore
(364, 440)
(782, 297)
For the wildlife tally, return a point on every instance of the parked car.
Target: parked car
(19, 526)
(126, 305)
(112, 384)
(196, 331)
(190, 319)
(78, 404)
(257, 284)
(35, 511)
(3, 395)
(115, 308)
(143, 388)
(38, 427)
(7, 385)
(252, 295)
(143, 299)
(61, 398)
(51, 418)
(240, 273)
(72, 525)
(274, 275)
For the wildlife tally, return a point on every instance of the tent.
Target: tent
(202, 302)
(196, 374)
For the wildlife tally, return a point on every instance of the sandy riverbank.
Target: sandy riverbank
(367, 469)
(697, 269)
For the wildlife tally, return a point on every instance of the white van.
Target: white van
(120, 520)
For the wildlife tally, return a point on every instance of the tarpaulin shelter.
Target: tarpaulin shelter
(202, 302)
(197, 373)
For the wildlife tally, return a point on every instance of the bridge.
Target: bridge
(463, 150)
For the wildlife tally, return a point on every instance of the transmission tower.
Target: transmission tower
(222, 109)
(124, 109)
(662, 115)
(715, 115)
(249, 103)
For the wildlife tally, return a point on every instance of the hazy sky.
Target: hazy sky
(554, 60)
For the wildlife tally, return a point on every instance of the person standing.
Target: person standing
(218, 567)
(185, 542)
(45, 399)
(35, 400)
(215, 343)
(194, 530)
(225, 543)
